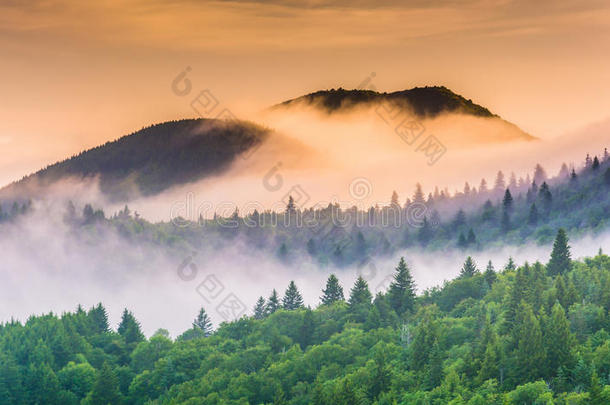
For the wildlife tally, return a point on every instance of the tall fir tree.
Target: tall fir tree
(561, 260)
(530, 354)
(273, 303)
(203, 323)
(402, 289)
(129, 328)
(490, 275)
(292, 298)
(333, 291)
(260, 308)
(360, 293)
(558, 341)
(469, 268)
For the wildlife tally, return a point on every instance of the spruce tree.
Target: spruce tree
(472, 239)
(490, 275)
(596, 390)
(558, 341)
(98, 319)
(333, 291)
(360, 294)
(260, 308)
(402, 289)
(292, 298)
(469, 268)
(507, 201)
(561, 261)
(530, 353)
(273, 303)
(203, 323)
(532, 218)
(129, 328)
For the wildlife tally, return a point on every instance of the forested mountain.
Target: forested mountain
(148, 161)
(532, 334)
(423, 102)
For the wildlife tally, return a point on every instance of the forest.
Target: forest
(509, 211)
(533, 333)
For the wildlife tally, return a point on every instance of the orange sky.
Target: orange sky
(76, 74)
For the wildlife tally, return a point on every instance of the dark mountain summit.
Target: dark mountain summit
(153, 159)
(426, 102)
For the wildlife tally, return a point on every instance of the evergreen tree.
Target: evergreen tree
(469, 268)
(596, 396)
(105, 389)
(260, 308)
(203, 323)
(561, 261)
(418, 195)
(460, 218)
(595, 164)
(462, 241)
(558, 341)
(472, 239)
(290, 206)
(532, 218)
(98, 319)
(273, 302)
(488, 211)
(292, 298)
(490, 275)
(129, 328)
(333, 291)
(360, 294)
(510, 265)
(530, 354)
(507, 201)
(402, 289)
(434, 374)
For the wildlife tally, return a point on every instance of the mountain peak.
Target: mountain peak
(425, 102)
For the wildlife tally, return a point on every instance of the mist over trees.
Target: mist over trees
(533, 333)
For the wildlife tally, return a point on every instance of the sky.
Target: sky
(77, 74)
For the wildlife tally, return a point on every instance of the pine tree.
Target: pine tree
(507, 201)
(434, 374)
(418, 195)
(596, 396)
(530, 354)
(105, 389)
(472, 239)
(260, 308)
(462, 241)
(595, 164)
(360, 294)
(333, 291)
(469, 268)
(203, 323)
(510, 265)
(290, 207)
(129, 328)
(490, 275)
(273, 303)
(561, 261)
(532, 218)
(292, 298)
(402, 289)
(98, 319)
(500, 184)
(558, 340)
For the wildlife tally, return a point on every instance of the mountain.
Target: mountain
(424, 102)
(153, 159)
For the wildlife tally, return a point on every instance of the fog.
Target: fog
(47, 265)
(318, 157)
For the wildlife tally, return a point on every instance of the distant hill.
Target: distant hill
(153, 159)
(424, 102)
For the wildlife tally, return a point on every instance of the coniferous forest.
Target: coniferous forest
(499, 333)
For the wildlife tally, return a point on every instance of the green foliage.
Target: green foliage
(478, 339)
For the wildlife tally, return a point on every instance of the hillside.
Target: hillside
(424, 102)
(533, 334)
(153, 159)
